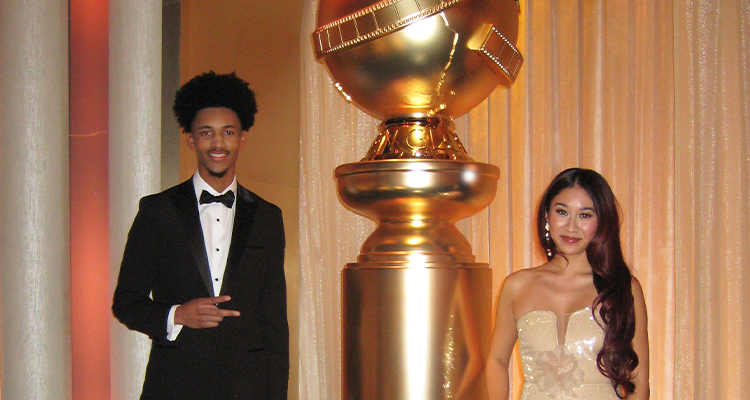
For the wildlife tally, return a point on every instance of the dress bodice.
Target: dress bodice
(558, 353)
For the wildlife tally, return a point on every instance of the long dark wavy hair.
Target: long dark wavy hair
(617, 360)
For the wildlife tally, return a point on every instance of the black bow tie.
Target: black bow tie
(227, 198)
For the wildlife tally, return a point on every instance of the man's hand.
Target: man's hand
(203, 313)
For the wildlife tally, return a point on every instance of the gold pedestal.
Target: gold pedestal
(416, 307)
(416, 203)
(414, 332)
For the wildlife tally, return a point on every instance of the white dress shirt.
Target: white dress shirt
(217, 222)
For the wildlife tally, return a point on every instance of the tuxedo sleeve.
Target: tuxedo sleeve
(274, 312)
(132, 304)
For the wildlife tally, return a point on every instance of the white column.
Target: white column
(134, 156)
(34, 216)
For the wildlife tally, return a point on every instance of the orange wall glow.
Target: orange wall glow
(89, 199)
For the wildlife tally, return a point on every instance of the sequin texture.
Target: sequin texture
(558, 353)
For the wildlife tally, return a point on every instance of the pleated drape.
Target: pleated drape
(35, 349)
(712, 224)
(333, 132)
(654, 95)
(134, 159)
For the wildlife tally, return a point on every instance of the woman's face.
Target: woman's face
(572, 221)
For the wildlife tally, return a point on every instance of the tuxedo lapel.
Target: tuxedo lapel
(187, 209)
(243, 222)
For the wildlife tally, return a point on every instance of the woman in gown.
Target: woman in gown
(580, 319)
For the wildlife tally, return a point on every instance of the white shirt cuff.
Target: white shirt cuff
(172, 329)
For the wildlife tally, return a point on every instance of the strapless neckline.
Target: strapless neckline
(529, 315)
(554, 313)
(559, 357)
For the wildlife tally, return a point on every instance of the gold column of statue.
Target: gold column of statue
(416, 305)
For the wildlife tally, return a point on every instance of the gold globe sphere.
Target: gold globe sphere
(418, 58)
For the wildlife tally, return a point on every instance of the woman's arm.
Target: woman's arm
(503, 339)
(640, 344)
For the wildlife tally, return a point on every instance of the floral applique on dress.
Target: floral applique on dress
(562, 365)
(558, 372)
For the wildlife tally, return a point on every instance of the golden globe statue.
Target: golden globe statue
(416, 306)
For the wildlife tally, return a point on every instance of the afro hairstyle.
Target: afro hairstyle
(211, 90)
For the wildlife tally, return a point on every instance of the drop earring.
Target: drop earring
(546, 236)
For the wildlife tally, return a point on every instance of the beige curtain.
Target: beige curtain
(712, 208)
(332, 133)
(652, 95)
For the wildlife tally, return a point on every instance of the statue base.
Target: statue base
(415, 332)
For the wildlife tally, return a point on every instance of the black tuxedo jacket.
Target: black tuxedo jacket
(165, 263)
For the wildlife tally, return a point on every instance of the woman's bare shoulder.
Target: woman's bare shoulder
(520, 279)
(635, 283)
(637, 290)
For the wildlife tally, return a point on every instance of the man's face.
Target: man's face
(216, 137)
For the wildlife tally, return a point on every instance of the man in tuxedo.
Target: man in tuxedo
(203, 269)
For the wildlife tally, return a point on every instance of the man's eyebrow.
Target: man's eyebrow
(222, 127)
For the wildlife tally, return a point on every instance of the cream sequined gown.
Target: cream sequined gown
(558, 353)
